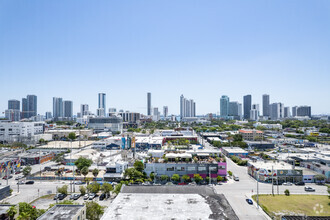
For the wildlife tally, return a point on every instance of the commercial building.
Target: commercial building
(156, 115)
(287, 113)
(265, 105)
(115, 171)
(112, 123)
(84, 110)
(149, 104)
(14, 104)
(260, 145)
(234, 151)
(36, 157)
(276, 172)
(48, 115)
(247, 105)
(224, 106)
(20, 131)
(294, 111)
(130, 119)
(101, 111)
(57, 108)
(276, 111)
(268, 126)
(251, 135)
(29, 106)
(12, 114)
(68, 109)
(65, 212)
(304, 111)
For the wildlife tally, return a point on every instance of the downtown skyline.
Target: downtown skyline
(203, 50)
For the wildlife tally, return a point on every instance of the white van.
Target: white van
(235, 177)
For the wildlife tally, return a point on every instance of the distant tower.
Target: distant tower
(149, 103)
(265, 105)
(165, 111)
(101, 111)
(57, 108)
(68, 109)
(247, 104)
(224, 106)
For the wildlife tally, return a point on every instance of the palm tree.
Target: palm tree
(84, 171)
(12, 211)
(95, 173)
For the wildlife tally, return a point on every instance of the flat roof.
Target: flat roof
(271, 165)
(4, 208)
(234, 150)
(61, 212)
(169, 202)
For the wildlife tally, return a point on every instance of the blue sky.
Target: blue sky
(202, 49)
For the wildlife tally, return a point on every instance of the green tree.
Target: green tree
(95, 172)
(185, 178)
(84, 171)
(220, 178)
(27, 171)
(133, 174)
(83, 162)
(117, 188)
(164, 177)
(198, 178)
(72, 136)
(26, 211)
(93, 187)
(152, 176)
(138, 165)
(94, 211)
(175, 177)
(287, 192)
(12, 211)
(63, 190)
(106, 188)
(238, 137)
(319, 178)
(82, 190)
(230, 173)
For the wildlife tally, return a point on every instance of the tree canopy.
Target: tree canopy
(83, 162)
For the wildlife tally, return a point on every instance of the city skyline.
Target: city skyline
(201, 50)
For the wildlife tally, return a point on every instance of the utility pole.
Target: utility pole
(71, 163)
(40, 163)
(258, 189)
(273, 180)
(7, 173)
(209, 175)
(73, 185)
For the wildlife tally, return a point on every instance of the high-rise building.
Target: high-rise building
(274, 110)
(14, 104)
(254, 115)
(281, 110)
(224, 106)
(112, 111)
(235, 110)
(24, 108)
(101, 111)
(84, 110)
(247, 102)
(149, 103)
(13, 112)
(265, 105)
(165, 111)
(187, 107)
(48, 115)
(156, 115)
(29, 106)
(182, 106)
(294, 111)
(67, 109)
(304, 111)
(57, 108)
(32, 105)
(287, 112)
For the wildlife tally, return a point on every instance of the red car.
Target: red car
(181, 184)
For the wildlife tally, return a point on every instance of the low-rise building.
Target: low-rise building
(20, 131)
(271, 171)
(65, 212)
(234, 151)
(112, 123)
(260, 145)
(115, 171)
(251, 135)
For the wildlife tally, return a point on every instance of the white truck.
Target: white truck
(235, 177)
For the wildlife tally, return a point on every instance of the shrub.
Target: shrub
(287, 192)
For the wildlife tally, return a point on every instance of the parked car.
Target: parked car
(20, 182)
(277, 183)
(56, 196)
(18, 172)
(182, 184)
(309, 189)
(61, 196)
(102, 196)
(79, 183)
(300, 184)
(29, 182)
(86, 196)
(91, 196)
(249, 201)
(18, 177)
(76, 196)
(287, 184)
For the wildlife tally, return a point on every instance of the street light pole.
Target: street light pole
(258, 190)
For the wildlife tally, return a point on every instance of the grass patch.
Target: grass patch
(50, 196)
(310, 205)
